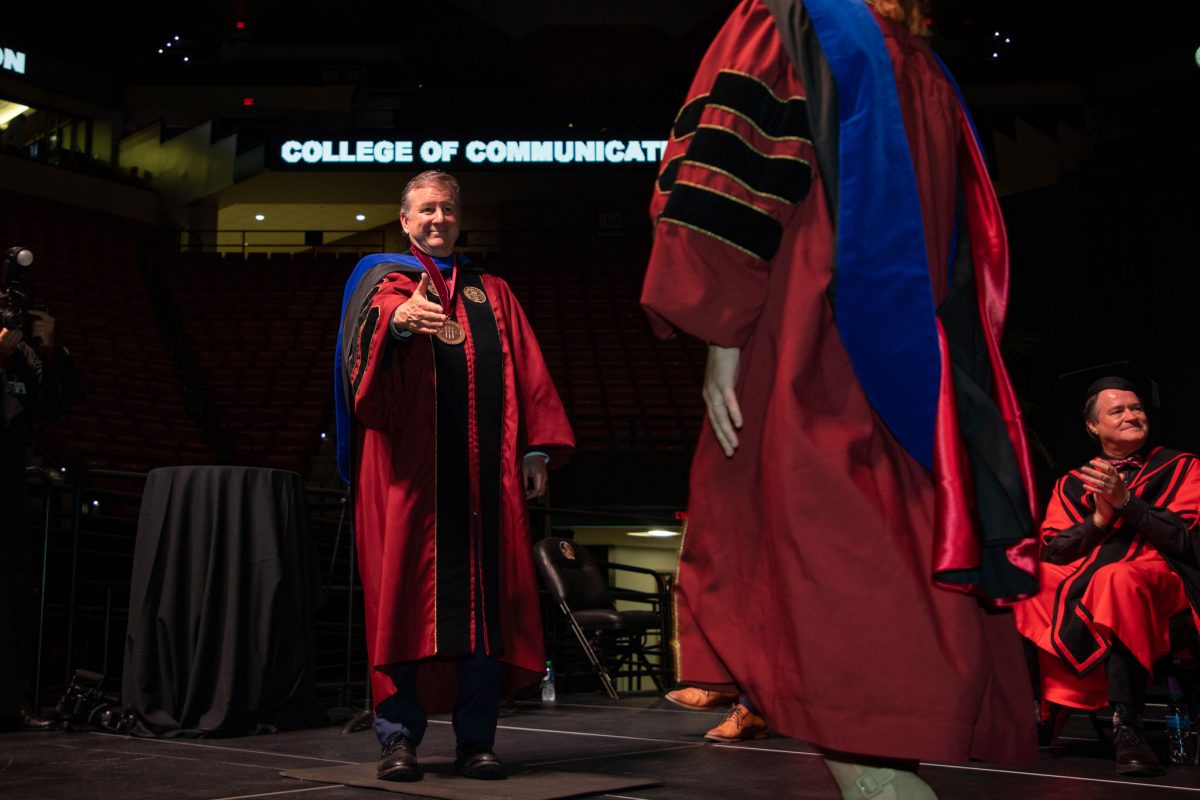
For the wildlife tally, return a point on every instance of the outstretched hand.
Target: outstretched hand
(720, 376)
(418, 313)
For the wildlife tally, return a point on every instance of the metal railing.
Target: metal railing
(276, 240)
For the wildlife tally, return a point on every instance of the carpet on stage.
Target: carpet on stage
(439, 780)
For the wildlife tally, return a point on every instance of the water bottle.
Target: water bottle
(548, 684)
(1179, 724)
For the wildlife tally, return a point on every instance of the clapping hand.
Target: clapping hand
(1102, 480)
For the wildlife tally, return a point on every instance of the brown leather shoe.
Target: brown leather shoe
(739, 724)
(1134, 756)
(700, 699)
(32, 722)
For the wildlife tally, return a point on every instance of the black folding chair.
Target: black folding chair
(579, 586)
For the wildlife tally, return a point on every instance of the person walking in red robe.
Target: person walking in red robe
(450, 422)
(824, 220)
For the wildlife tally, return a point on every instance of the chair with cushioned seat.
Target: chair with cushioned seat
(579, 586)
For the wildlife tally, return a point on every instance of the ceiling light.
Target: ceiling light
(654, 534)
(259, 217)
(360, 217)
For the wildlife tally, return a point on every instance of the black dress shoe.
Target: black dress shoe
(1134, 756)
(478, 760)
(398, 761)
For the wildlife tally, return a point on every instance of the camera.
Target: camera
(14, 301)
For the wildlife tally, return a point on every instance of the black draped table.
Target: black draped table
(225, 583)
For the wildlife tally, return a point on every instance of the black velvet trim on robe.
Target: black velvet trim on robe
(1002, 504)
(467, 546)
(489, 414)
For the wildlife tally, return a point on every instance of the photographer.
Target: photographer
(37, 381)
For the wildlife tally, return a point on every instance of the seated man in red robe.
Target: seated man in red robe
(1119, 561)
(451, 420)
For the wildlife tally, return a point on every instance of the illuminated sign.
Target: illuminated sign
(12, 61)
(494, 152)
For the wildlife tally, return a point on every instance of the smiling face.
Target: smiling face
(430, 217)
(1119, 422)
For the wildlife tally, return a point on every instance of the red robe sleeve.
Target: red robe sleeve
(543, 420)
(727, 186)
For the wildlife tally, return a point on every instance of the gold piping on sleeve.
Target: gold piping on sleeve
(697, 229)
(739, 181)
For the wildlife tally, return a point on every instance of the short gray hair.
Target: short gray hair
(431, 177)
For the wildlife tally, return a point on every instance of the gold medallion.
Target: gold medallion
(475, 294)
(451, 333)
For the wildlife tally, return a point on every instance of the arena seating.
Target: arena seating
(88, 271)
(210, 358)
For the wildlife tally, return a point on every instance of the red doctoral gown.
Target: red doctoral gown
(1122, 586)
(807, 570)
(443, 530)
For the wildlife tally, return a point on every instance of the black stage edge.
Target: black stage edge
(637, 736)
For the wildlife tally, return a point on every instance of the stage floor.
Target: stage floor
(642, 736)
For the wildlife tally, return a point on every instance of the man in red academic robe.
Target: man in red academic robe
(453, 422)
(824, 220)
(1120, 553)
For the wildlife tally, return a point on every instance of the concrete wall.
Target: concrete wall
(184, 168)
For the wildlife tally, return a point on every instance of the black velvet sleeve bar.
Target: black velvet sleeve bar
(1073, 542)
(1161, 527)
